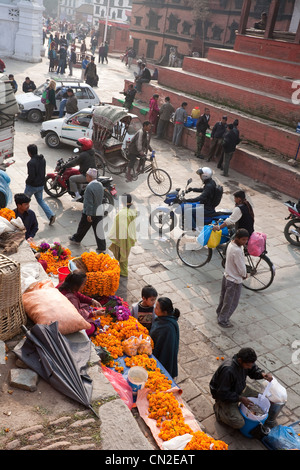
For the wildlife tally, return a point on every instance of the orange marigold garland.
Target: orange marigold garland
(103, 274)
(8, 214)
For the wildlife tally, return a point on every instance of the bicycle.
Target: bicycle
(158, 180)
(260, 270)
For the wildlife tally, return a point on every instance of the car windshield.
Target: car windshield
(39, 90)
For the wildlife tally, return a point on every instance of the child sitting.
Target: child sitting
(27, 216)
(143, 310)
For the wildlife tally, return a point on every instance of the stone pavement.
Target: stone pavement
(267, 321)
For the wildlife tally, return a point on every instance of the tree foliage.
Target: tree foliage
(201, 9)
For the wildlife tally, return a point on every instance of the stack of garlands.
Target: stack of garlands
(8, 214)
(56, 256)
(103, 274)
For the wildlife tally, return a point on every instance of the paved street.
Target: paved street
(266, 321)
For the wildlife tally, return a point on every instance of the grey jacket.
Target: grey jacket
(93, 197)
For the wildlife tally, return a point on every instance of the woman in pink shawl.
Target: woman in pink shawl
(154, 112)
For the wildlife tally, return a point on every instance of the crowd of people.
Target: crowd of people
(157, 314)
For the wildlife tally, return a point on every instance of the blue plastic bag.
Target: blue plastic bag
(204, 235)
(189, 122)
(225, 235)
(282, 438)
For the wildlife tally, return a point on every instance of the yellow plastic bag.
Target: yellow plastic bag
(214, 239)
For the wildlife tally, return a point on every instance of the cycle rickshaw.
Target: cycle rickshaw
(112, 129)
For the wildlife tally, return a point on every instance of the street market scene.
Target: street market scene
(149, 233)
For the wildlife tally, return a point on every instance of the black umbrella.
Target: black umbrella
(59, 361)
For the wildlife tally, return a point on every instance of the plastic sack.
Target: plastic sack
(189, 122)
(120, 385)
(276, 393)
(260, 401)
(130, 346)
(225, 235)
(204, 235)
(5, 226)
(257, 243)
(44, 304)
(177, 443)
(145, 346)
(282, 438)
(214, 239)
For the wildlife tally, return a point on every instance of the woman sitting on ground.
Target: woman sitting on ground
(71, 288)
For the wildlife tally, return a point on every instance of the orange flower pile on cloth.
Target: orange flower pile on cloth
(201, 441)
(8, 214)
(112, 336)
(103, 274)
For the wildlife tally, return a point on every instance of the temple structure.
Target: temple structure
(21, 29)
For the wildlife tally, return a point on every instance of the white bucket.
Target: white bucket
(137, 377)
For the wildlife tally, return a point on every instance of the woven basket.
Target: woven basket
(12, 313)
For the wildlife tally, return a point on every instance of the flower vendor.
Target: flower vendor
(71, 288)
(165, 335)
(27, 216)
(228, 386)
(123, 234)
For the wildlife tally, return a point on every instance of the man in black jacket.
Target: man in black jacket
(217, 134)
(230, 141)
(228, 386)
(206, 197)
(201, 127)
(36, 168)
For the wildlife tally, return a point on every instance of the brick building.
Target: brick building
(158, 25)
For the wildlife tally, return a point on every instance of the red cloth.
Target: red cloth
(153, 112)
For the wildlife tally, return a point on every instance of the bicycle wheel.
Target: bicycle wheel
(162, 222)
(100, 165)
(260, 273)
(159, 182)
(292, 232)
(191, 252)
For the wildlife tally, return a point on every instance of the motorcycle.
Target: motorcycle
(292, 228)
(164, 219)
(57, 184)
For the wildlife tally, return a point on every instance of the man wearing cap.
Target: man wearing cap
(92, 213)
(217, 136)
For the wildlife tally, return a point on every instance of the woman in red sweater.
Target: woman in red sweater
(71, 288)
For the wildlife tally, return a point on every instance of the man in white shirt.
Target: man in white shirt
(235, 272)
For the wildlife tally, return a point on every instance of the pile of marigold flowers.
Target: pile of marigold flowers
(201, 441)
(8, 214)
(103, 274)
(114, 333)
(56, 256)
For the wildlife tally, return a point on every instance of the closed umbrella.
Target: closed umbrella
(59, 361)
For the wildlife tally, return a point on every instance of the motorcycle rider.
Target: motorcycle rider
(85, 160)
(242, 215)
(208, 193)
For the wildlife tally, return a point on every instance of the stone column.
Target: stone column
(28, 37)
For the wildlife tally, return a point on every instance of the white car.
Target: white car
(31, 107)
(69, 130)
